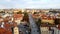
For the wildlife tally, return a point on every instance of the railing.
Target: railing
(46, 32)
(52, 31)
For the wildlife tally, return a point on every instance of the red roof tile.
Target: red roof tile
(17, 15)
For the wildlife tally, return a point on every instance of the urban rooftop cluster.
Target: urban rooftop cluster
(29, 21)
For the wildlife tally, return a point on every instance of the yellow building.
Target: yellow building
(16, 31)
(49, 21)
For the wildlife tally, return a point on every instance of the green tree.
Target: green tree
(38, 22)
(26, 17)
(20, 12)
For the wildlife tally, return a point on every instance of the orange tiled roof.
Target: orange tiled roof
(5, 31)
(17, 15)
(35, 15)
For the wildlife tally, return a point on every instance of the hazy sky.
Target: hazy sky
(30, 4)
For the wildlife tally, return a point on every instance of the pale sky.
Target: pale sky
(44, 4)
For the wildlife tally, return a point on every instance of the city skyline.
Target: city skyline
(38, 4)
